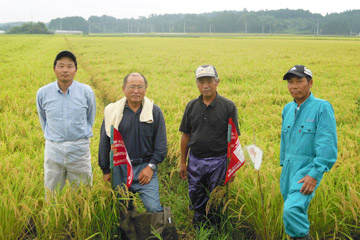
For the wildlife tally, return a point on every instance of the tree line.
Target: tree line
(283, 21)
(29, 28)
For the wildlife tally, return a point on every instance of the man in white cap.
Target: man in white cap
(204, 129)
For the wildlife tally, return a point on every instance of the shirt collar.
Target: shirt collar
(127, 106)
(311, 97)
(212, 104)
(69, 90)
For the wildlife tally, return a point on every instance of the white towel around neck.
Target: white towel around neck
(114, 112)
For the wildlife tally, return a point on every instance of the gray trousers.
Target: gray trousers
(69, 160)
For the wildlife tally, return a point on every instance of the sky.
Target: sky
(45, 10)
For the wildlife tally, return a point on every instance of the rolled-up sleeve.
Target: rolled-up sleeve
(160, 142)
(91, 112)
(40, 110)
(325, 142)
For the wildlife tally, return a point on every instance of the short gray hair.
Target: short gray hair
(134, 74)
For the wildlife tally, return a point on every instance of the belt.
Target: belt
(139, 161)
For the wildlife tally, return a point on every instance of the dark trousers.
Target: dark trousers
(204, 174)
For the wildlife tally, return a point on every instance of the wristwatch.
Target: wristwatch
(152, 166)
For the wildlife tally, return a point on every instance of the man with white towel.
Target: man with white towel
(142, 126)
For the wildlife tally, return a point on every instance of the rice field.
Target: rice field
(250, 69)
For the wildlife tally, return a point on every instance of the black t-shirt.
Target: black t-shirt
(208, 125)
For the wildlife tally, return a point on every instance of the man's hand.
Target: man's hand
(308, 186)
(107, 177)
(113, 148)
(183, 171)
(145, 175)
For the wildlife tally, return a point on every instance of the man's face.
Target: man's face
(135, 89)
(299, 88)
(207, 86)
(65, 69)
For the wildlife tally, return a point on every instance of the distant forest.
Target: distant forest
(284, 21)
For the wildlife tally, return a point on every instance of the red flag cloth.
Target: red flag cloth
(121, 156)
(235, 153)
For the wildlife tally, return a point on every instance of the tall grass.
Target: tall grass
(250, 70)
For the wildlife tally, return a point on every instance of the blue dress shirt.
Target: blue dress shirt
(66, 117)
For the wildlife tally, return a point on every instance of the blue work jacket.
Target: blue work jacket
(308, 137)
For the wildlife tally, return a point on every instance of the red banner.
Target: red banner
(235, 153)
(121, 156)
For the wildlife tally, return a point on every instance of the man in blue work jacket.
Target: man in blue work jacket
(308, 149)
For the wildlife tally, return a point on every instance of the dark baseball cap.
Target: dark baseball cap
(299, 71)
(65, 54)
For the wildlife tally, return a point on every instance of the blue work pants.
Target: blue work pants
(296, 204)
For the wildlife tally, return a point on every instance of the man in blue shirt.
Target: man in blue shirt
(66, 111)
(308, 149)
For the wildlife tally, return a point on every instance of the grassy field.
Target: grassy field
(250, 69)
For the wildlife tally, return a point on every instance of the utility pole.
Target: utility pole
(245, 25)
(317, 28)
(184, 26)
(210, 28)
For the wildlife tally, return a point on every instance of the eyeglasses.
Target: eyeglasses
(139, 88)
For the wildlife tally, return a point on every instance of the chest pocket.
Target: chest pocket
(309, 129)
(307, 139)
(146, 129)
(286, 129)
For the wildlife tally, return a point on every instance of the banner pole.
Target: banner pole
(111, 156)
(261, 195)
(262, 205)
(227, 165)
